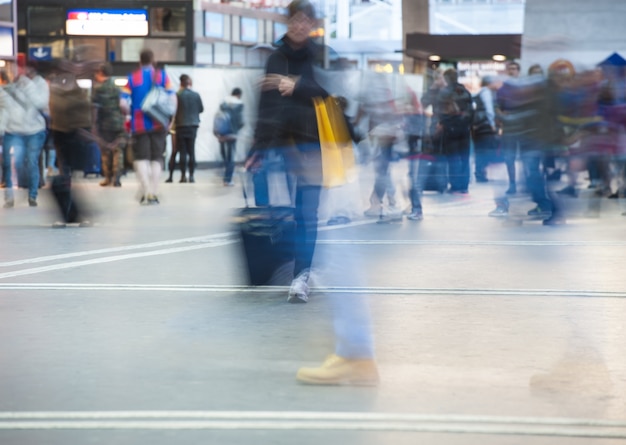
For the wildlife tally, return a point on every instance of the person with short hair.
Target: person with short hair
(187, 121)
(233, 107)
(108, 125)
(148, 134)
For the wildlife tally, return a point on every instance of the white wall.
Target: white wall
(582, 31)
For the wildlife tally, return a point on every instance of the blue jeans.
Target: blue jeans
(24, 147)
(227, 150)
(532, 158)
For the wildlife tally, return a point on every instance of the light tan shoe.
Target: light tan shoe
(341, 371)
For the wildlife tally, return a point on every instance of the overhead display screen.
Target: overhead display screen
(107, 22)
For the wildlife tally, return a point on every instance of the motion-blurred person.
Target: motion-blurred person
(384, 122)
(232, 111)
(455, 103)
(4, 80)
(484, 129)
(25, 100)
(148, 135)
(186, 123)
(287, 119)
(108, 125)
(511, 129)
(70, 116)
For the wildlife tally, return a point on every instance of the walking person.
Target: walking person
(186, 122)
(109, 119)
(148, 134)
(25, 102)
(287, 121)
(227, 124)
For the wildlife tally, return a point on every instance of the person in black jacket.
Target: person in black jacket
(187, 121)
(287, 121)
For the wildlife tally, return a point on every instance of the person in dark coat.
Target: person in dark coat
(287, 121)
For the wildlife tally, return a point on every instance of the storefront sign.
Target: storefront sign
(107, 22)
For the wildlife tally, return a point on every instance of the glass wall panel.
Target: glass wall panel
(46, 21)
(165, 50)
(6, 10)
(167, 21)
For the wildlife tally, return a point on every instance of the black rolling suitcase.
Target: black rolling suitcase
(433, 171)
(268, 238)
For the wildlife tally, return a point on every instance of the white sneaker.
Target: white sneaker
(373, 212)
(299, 290)
(499, 212)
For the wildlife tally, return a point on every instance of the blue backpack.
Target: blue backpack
(222, 125)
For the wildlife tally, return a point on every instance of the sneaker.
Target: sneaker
(169, 180)
(191, 179)
(338, 220)
(183, 180)
(341, 371)
(153, 200)
(554, 221)
(59, 225)
(499, 212)
(85, 223)
(373, 212)
(299, 290)
(539, 212)
(117, 184)
(415, 216)
(511, 190)
(570, 190)
(32, 202)
(105, 182)
(9, 204)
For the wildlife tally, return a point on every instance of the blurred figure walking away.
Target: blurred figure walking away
(25, 101)
(148, 134)
(228, 122)
(108, 125)
(186, 122)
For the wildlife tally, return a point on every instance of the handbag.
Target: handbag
(159, 104)
(336, 145)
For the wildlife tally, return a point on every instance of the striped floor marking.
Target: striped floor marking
(327, 421)
(369, 290)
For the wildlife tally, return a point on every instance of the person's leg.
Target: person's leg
(415, 192)
(172, 160)
(191, 144)
(10, 141)
(509, 152)
(464, 166)
(307, 203)
(33, 145)
(536, 181)
(229, 162)
(181, 143)
(157, 148)
(141, 149)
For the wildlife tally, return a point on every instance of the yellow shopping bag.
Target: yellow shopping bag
(337, 152)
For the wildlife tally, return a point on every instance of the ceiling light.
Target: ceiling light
(499, 58)
(434, 58)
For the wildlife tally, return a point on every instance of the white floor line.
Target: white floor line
(110, 259)
(328, 421)
(476, 243)
(566, 293)
(196, 239)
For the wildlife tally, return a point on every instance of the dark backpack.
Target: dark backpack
(480, 121)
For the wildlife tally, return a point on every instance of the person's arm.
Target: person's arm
(487, 98)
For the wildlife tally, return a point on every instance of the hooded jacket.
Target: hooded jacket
(23, 103)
